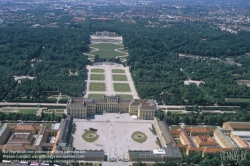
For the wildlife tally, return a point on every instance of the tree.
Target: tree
(96, 58)
(176, 119)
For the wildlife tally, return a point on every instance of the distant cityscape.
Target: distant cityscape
(227, 15)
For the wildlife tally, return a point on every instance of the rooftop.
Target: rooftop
(241, 133)
(238, 125)
(224, 139)
(3, 129)
(24, 127)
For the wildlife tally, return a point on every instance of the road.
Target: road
(31, 104)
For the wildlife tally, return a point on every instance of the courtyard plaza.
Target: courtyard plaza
(114, 132)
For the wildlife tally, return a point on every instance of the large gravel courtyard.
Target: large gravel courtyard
(114, 134)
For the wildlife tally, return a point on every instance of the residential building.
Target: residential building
(236, 126)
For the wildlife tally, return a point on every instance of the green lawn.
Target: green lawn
(122, 50)
(237, 100)
(61, 111)
(119, 77)
(97, 70)
(28, 111)
(211, 127)
(48, 125)
(121, 87)
(96, 96)
(139, 137)
(125, 96)
(176, 112)
(97, 86)
(175, 127)
(118, 71)
(106, 50)
(90, 136)
(97, 77)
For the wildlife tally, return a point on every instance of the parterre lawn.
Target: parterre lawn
(97, 86)
(119, 78)
(118, 71)
(106, 50)
(97, 77)
(121, 87)
(97, 70)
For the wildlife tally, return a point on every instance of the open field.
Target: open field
(119, 78)
(237, 100)
(97, 86)
(121, 87)
(97, 70)
(28, 111)
(105, 50)
(118, 71)
(1, 125)
(97, 77)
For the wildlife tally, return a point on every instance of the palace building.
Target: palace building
(82, 107)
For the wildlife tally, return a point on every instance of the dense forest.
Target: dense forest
(154, 58)
(159, 71)
(195, 118)
(194, 158)
(58, 63)
(30, 117)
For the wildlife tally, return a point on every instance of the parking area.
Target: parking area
(114, 132)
